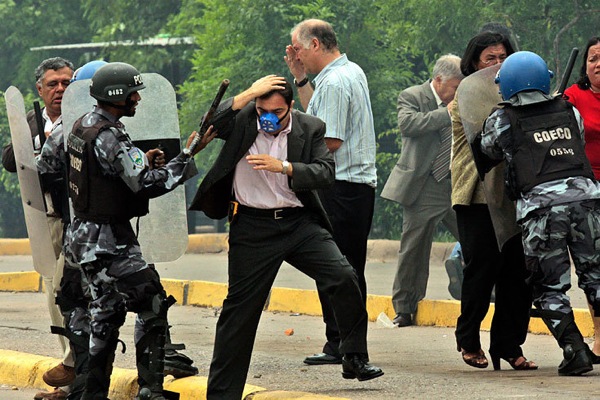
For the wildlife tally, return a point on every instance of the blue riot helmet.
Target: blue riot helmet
(523, 71)
(87, 70)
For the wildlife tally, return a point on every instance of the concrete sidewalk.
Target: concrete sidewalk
(199, 279)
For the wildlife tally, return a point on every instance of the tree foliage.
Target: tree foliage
(396, 42)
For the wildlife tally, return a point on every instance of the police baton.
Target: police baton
(40, 123)
(206, 119)
(568, 70)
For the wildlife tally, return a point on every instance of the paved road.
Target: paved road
(419, 362)
(213, 267)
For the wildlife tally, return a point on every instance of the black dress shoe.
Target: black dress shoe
(322, 359)
(354, 366)
(402, 320)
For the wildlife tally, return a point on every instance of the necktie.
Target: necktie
(441, 164)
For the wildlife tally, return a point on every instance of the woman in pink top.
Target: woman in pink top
(585, 96)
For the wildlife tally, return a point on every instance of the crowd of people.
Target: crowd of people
(519, 195)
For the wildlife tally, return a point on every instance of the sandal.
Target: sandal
(517, 363)
(476, 359)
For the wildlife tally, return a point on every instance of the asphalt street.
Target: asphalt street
(380, 271)
(419, 362)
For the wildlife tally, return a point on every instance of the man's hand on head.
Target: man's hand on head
(294, 64)
(261, 86)
(266, 84)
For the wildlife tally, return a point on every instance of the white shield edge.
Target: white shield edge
(38, 230)
(163, 232)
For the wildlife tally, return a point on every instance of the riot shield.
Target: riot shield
(477, 95)
(42, 251)
(163, 232)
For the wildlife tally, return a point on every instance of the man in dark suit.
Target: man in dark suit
(420, 181)
(265, 178)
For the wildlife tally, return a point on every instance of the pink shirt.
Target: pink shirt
(588, 105)
(264, 189)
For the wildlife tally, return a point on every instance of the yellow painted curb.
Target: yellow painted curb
(176, 288)
(377, 304)
(194, 387)
(280, 395)
(206, 294)
(15, 247)
(19, 282)
(197, 243)
(26, 370)
(23, 370)
(210, 294)
(294, 300)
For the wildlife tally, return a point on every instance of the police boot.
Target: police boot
(576, 360)
(177, 364)
(576, 353)
(150, 352)
(100, 367)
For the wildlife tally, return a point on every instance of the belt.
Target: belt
(275, 213)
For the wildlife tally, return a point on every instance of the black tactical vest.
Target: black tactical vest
(545, 144)
(97, 197)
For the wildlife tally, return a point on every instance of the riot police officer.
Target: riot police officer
(558, 199)
(110, 182)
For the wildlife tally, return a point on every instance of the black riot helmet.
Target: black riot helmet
(115, 81)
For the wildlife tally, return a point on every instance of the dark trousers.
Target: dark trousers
(486, 266)
(257, 248)
(350, 208)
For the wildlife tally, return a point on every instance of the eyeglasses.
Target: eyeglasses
(493, 60)
(54, 84)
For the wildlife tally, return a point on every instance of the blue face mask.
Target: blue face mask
(270, 123)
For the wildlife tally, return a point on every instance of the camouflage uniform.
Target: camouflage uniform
(111, 259)
(558, 217)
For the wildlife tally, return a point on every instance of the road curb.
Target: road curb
(377, 249)
(441, 313)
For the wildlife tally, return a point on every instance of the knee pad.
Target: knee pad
(140, 288)
(155, 312)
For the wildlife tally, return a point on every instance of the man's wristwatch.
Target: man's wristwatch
(302, 82)
(285, 165)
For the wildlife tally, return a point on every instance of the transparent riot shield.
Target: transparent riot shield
(163, 232)
(477, 95)
(42, 251)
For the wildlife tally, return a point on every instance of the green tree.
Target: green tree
(395, 41)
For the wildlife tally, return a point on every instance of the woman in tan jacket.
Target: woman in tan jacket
(490, 240)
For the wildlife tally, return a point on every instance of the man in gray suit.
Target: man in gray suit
(420, 181)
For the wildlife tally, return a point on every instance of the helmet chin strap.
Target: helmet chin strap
(125, 107)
